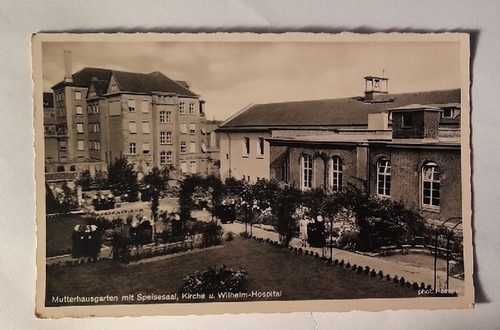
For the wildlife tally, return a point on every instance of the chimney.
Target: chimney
(68, 77)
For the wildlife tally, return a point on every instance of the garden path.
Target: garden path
(409, 272)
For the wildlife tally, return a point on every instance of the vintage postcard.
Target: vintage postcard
(183, 174)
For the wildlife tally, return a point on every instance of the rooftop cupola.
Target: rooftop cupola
(374, 87)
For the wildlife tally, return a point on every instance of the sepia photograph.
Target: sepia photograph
(183, 174)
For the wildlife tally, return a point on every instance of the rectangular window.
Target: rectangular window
(133, 148)
(62, 145)
(261, 146)
(132, 127)
(79, 110)
(97, 127)
(182, 109)
(192, 147)
(145, 147)
(246, 145)
(169, 116)
(80, 145)
(407, 120)
(163, 117)
(202, 109)
(145, 127)
(191, 109)
(183, 147)
(192, 128)
(78, 95)
(144, 106)
(170, 159)
(79, 128)
(183, 128)
(131, 105)
(169, 137)
(193, 166)
(163, 137)
(183, 167)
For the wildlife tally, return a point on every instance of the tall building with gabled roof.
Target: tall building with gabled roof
(151, 119)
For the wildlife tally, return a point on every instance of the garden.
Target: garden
(266, 268)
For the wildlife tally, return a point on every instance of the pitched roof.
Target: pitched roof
(331, 112)
(83, 77)
(147, 83)
(128, 81)
(100, 86)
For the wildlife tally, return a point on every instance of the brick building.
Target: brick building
(151, 119)
(404, 146)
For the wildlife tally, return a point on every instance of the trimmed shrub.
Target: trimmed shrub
(388, 277)
(341, 263)
(229, 236)
(316, 255)
(335, 262)
(402, 281)
(214, 280)
(395, 279)
(373, 273)
(348, 265)
(359, 270)
(380, 274)
(415, 286)
(367, 270)
(212, 234)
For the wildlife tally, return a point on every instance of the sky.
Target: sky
(231, 75)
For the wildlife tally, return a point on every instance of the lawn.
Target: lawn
(59, 230)
(269, 269)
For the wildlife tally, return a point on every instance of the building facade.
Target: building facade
(407, 147)
(150, 119)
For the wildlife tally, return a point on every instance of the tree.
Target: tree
(100, 180)
(85, 180)
(379, 219)
(187, 188)
(284, 208)
(122, 178)
(157, 178)
(52, 205)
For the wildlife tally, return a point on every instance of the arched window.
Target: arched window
(431, 185)
(163, 158)
(307, 171)
(72, 168)
(384, 177)
(60, 168)
(336, 173)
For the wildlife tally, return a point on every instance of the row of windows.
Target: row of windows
(94, 127)
(61, 112)
(260, 146)
(59, 96)
(333, 176)
(145, 148)
(132, 126)
(133, 148)
(93, 109)
(93, 145)
(430, 178)
(182, 108)
(430, 182)
(144, 106)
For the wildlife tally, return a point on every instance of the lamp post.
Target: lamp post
(447, 250)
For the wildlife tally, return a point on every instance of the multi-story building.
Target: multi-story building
(406, 147)
(151, 119)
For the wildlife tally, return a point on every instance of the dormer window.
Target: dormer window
(407, 120)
